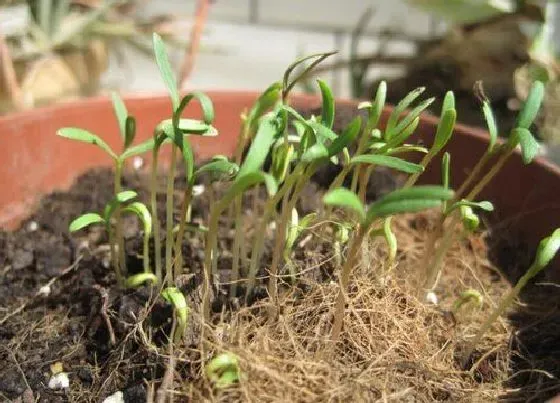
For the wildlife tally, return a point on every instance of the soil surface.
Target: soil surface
(59, 304)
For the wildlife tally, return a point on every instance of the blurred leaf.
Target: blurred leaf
(401, 137)
(465, 11)
(469, 218)
(165, 70)
(532, 105)
(387, 161)
(448, 102)
(327, 111)
(314, 153)
(377, 106)
(120, 198)
(121, 113)
(409, 118)
(401, 107)
(529, 146)
(444, 130)
(137, 280)
(243, 182)
(491, 123)
(85, 220)
(130, 131)
(546, 251)
(260, 146)
(138, 149)
(318, 58)
(347, 137)
(143, 213)
(74, 133)
(342, 197)
(176, 298)
(205, 104)
(219, 167)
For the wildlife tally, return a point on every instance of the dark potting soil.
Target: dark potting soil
(84, 321)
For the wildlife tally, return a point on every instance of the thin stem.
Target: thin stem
(114, 257)
(236, 246)
(155, 219)
(281, 231)
(355, 246)
(146, 251)
(118, 221)
(414, 177)
(472, 176)
(500, 309)
(490, 174)
(365, 173)
(181, 234)
(434, 267)
(258, 243)
(169, 217)
(211, 241)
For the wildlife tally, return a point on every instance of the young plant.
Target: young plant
(180, 309)
(546, 251)
(127, 129)
(175, 130)
(223, 370)
(406, 200)
(470, 296)
(295, 229)
(105, 218)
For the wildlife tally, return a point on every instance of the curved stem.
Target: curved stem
(472, 176)
(490, 174)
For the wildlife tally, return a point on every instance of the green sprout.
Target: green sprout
(412, 199)
(223, 370)
(546, 251)
(469, 296)
(176, 131)
(181, 311)
(295, 229)
(105, 218)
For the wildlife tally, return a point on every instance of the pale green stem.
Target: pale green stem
(414, 177)
(181, 234)
(118, 222)
(490, 174)
(258, 242)
(169, 217)
(114, 257)
(472, 176)
(155, 219)
(237, 240)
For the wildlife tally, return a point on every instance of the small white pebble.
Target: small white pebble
(272, 225)
(197, 190)
(59, 381)
(431, 297)
(45, 291)
(117, 397)
(32, 226)
(137, 162)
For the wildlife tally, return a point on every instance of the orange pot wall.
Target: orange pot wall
(34, 161)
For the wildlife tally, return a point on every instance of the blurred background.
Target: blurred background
(60, 50)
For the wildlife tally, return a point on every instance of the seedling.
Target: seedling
(546, 251)
(223, 370)
(468, 297)
(181, 311)
(135, 207)
(295, 229)
(411, 199)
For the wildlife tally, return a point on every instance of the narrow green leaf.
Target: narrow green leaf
(243, 182)
(260, 146)
(387, 161)
(409, 118)
(218, 168)
(74, 133)
(418, 192)
(347, 137)
(192, 126)
(130, 131)
(444, 130)
(120, 198)
(401, 137)
(448, 102)
(143, 213)
(445, 169)
(529, 146)
(483, 205)
(121, 113)
(532, 105)
(165, 70)
(546, 251)
(327, 111)
(316, 152)
(176, 298)
(138, 149)
(377, 105)
(264, 103)
(401, 106)
(407, 148)
(188, 158)
(137, 280)
(317, 58)
(491, 123)
(342, 197)
(84, 221)
(399, 206)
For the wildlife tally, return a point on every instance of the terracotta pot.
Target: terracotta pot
(35, 161)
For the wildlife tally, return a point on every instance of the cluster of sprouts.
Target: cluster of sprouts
(295, 148)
